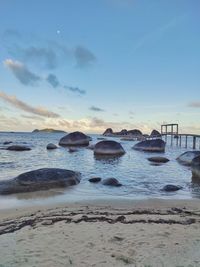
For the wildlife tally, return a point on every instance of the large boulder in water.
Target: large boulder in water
(108, 148)
(135, 133)
(195, 166)
(155, 145)
(74, 139)
(108, 131)
(155, 134)
(41, 179)
(111, 182)
(18, 148)
(51, 146)
(187, 157)
(158, 159)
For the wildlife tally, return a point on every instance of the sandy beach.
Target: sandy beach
(118, 233)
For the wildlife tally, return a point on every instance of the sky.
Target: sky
(93, 64)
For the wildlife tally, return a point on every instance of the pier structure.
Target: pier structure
(173, 131)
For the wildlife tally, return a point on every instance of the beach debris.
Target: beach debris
(187, 157)
(111, 182)
(41, 179)
(158, 159)
(95, 180)
(51, 146)
(18, 148)
(153, 145)
(75, 139)
(171, 188)
(109, 148)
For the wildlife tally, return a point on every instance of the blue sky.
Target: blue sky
(87, 65)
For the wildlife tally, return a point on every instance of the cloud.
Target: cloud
(194, 104)
(32, 117)
(21, 72)
(41, 111)
(75, 89)
(83, 56)
(93, 108)
(53, 80)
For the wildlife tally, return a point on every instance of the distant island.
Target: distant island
(47, 130)
(131, 133)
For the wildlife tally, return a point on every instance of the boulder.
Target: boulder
(41, 179)
(111, 182)
(95, 180)
(155, 133)
(7, 142)
(158, 159)
(109, 148)
(195, 166)
(72, 149)
(187, 157)
(154, 145)
(135, 132)
(51, 146)
(108, 131)
(171, 188)
(18, 148)
(75, 139)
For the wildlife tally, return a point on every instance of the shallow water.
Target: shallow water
(139, 177)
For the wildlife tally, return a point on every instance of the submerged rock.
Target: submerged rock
(171, 188)
(158, 159)
(187, 157)
(72, 149)
(195, 166)
(51, 146)
(18, 148)
(155, 145)
(7, 142)
(111, 182)
(108, 148)
(41, 179)
(95, 180)
(75, 139)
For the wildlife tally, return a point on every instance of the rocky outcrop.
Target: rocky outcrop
(171, 188)
(155, 145)
(108, 148)
(18, 148)
(108, 132)
(195, 166)
(123, 132)
(155, 134)
(75, 139)
(187, 157)
(51, 146)
(158, 159)
(41, 179)
(111, 182)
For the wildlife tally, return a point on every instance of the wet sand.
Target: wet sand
(102, 233)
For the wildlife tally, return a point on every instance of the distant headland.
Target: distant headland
(47, 130)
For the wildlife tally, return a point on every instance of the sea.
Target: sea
(140, 178)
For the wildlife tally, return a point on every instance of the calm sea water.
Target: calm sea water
(140, 179)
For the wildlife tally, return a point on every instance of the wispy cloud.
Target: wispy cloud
(83, 56)
(93, 108)
(194, 104)
(21, 72)
(75, 89)
(53, 80)
(41, 111)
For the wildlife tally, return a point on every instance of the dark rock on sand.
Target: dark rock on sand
(7, 142)
(187, 157)
(41, 179)
(155, 145)
(109, 148)
(75, 139)
(51, 146)
(95, 180)
(18, 148)
(111, 182)
(171, 188)
(195, 166)
(158, 159)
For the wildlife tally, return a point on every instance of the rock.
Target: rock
(7, 142)
(71, 150)
(195, 166)
(158, 159)
(171, 188)
(155, 145)
(51, 146)
(108, 131)
(95, 180)
(18, 148)
(111, 182)
(155, 133)
(91, 147)
(41, 179)
(187, 157)
(109, 148)
(101, 138)
(74, 139)
(135, 133)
